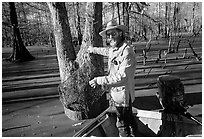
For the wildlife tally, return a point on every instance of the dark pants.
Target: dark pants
(125, 120)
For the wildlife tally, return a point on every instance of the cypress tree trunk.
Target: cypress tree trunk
(78, 26)
(166, 19)
(126, 14)
(92, 64)
(118, 10)
(20, 53)
(76, 95)
(65, 50)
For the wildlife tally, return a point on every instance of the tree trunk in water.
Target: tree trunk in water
(126, 14)
(166, 19)
(77, 97)
(92, 64)
(118, 10)
(175, 17)
(91, 37)
(159, 24)
(193, 18)
(113, 10)
(79, 26)
(20, 53)
(65, 50)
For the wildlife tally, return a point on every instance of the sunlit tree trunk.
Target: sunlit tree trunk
(94, 63)
(193, 17)
(126, 14)
(166, 20)
(79, 33)
(78, 98)
(93, 26)
(118, 10)
(113, 10)
(159, 16)
(65, 50)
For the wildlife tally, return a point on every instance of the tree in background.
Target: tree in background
(20, 53)
(126, 9)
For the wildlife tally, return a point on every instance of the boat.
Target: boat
(150, 124)
(173, 120)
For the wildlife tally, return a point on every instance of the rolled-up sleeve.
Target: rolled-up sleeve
(125, 68)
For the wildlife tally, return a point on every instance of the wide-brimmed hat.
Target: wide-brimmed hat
(113, 25)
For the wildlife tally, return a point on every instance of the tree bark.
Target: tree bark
(193, 17)
(20, 53)
(65, 50)
(92, 64)
(93, 26)
(126, 14)
(79, 25)
(113, 10)
(166, 19)
(159, 16)
(76, 95)
(118, 10)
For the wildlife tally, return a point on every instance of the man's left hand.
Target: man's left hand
(93, 82)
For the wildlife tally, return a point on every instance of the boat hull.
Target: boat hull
(150, 124)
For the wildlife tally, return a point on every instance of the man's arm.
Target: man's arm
(99, 50)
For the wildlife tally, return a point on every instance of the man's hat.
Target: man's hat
(113, 25)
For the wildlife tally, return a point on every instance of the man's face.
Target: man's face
(113, 37)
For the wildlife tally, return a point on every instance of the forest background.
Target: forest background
(145, 20)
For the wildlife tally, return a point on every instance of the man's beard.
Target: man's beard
(113, 43)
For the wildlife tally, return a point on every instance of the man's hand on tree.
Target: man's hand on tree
(90, 49)
(93, 82)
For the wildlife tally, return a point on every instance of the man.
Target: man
(120, 80)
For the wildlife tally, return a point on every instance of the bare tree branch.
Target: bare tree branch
(134, 12)
(34, 6)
